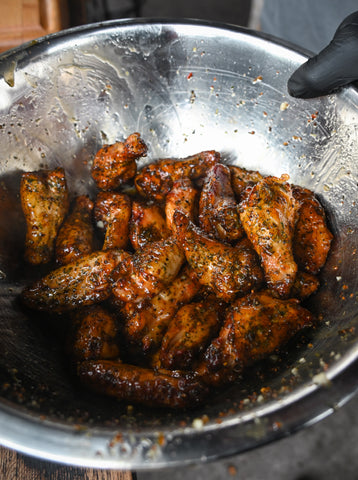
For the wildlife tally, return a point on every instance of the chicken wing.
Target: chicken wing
(255, 326)
(268, 215)
(115, 164)
(76, 235)
(148, 271)
(184, 197)
(242, 178)
(83, 282)
(218, 212)
(45, 203)
(147, 326)
(228, 271)
(312, 238)
(147, 224)
(143, 386)
(113, 211)
(188, 334)
(93, 335)
(156, 180)
(304, 286)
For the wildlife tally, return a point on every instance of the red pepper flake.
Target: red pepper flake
(232, 470)
(189, 75)
(257, 79)
(252, 132)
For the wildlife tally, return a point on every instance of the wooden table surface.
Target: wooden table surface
(15, 466)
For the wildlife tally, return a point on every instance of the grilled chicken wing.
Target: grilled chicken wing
(184, 197)
(312, 238)
(45, 203)
(156, 180)
(254, 327)
(115, 164)
(93, 335)
(83, 282)
(147, 326)
(242, 178)
(188, 334)
(76, 235)
(113, 211)
(268, 215)
(145, 386)
(228, 271)
(147, 224)
(218, 212)
(304, 286)
(148, 271)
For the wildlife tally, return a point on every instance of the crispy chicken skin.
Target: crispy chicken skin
(115, 164)
(83, 282)
(76, 235)
(45, 203)
(188, 334)
(162, 388)
(227, 271)
(93, 335)
(147, 325)
(218, 212)
(147, 224)
(148, 271)
(268, 215)
(184, 197)
(242, 178)
(156, 180)
(312, 238)
(255, 326)
(113, 211)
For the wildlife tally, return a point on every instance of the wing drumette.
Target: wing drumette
(312, 238)
(218, 212)
(76, 235)
(268, 214)
(113, 211)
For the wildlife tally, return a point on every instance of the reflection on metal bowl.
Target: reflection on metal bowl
(186, 87)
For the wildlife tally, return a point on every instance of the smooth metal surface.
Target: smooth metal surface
(185, 86)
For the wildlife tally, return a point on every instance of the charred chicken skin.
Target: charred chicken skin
(76, 235)
(112, 212)
(45, 203)
(242, 178)
(156, 180)
(218, 212)
(228, 271)
(115, 164)
(268, 215)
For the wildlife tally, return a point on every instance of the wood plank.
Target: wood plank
(15, 466)
(24, 20)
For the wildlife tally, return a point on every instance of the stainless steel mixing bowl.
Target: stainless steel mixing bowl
(186, 87)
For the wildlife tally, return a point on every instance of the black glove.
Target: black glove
(335, 66)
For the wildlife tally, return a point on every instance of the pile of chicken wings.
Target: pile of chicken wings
(176, 276)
